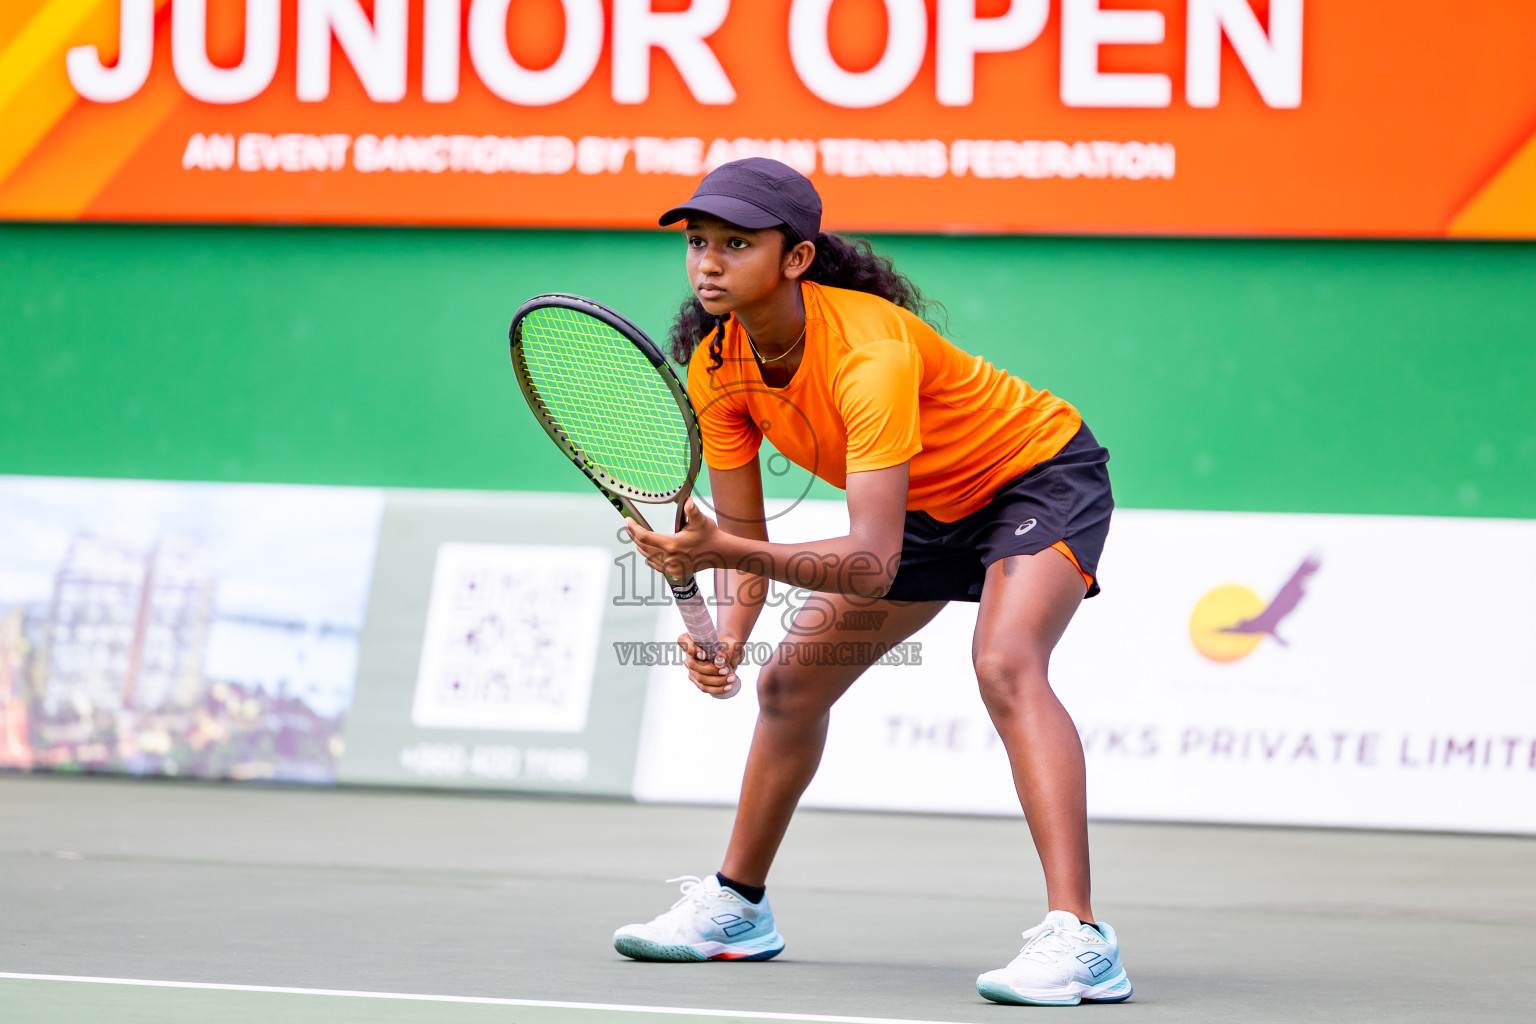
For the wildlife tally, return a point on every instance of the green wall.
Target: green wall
(1331, 376)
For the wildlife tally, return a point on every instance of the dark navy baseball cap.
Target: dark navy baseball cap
(755, 193)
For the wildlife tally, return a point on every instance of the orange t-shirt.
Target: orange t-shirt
(877, 387)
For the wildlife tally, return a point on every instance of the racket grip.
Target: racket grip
(700, 626)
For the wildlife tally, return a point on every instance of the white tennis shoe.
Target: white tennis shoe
(1063, 962)
(710, 922)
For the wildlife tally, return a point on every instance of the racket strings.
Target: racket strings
(607, 398)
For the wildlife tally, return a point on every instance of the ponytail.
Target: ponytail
(692, 325)
(853, 264)
(839, 263)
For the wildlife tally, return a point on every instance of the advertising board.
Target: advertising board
(1375, 117)
(1238, 667)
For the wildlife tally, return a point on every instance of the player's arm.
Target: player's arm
(738, 497)
(862, 563)
(876, 396)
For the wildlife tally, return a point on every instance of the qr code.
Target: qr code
(511, 637)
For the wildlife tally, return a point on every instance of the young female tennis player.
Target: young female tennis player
(964, 484)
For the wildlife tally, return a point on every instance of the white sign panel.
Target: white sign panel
(511, 637)
(1302, 669)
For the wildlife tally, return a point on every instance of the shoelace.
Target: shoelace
(1045, 938)
(692, 889)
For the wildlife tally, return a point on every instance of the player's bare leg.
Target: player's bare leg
(1025, 607)
(793, 705)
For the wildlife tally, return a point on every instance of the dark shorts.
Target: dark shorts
(1065, 498)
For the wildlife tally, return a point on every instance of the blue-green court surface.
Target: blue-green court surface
(132, 1001)
(295, 905)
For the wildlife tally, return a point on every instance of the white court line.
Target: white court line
(481, 1000)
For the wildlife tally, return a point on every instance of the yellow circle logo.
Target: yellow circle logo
(1216, 614)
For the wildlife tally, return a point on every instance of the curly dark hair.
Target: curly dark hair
(840, 263)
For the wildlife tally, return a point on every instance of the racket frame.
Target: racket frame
(621, 495)
(618, 493)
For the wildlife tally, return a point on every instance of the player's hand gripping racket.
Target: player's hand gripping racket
(605, 395)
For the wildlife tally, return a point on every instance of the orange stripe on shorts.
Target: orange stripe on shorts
(1061, 546)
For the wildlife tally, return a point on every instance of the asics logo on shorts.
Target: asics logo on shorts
(1024, 527)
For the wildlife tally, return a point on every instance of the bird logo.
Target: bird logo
(1230, 622)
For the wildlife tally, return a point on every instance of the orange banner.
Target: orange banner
(1278, 117)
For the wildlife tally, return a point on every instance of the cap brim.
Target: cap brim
(727, 208)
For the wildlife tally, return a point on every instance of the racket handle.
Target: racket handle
(700, 626)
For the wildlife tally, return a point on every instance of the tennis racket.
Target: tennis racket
(605, 395)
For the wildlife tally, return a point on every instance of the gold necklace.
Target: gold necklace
(788, 352)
